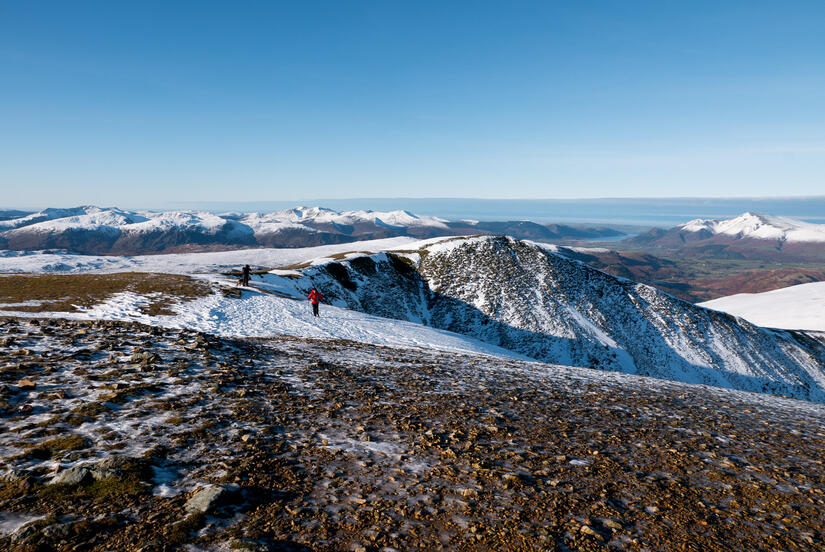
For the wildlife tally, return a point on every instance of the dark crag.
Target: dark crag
(330, 445)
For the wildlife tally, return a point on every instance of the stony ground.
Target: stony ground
(117, 436)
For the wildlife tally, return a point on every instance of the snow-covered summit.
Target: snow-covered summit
(47, 215)
(760, 226)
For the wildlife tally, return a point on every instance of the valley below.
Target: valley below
(121, 436)
(698, 277)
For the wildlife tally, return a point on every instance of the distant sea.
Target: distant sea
(661, 212)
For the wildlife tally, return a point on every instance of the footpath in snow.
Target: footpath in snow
(258, 314)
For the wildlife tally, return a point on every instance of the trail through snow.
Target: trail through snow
(259, 314)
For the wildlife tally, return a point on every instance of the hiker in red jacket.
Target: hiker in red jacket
(315, 298)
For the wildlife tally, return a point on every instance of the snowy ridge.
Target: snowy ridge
(761, 227)
(91, 218)
(47, 215)
(523, 298)
(94, 230)
(328, 216)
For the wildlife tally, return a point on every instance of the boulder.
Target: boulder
(76, 475)
(209, 498)
(120, 466)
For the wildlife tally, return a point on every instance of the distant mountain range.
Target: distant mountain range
(95, 230)
(12, 214)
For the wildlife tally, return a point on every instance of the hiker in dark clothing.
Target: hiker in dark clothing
(315, 298)
(245, 275)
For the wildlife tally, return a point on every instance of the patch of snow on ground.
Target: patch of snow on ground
(12, 521)
(263, 315)
(800, 307)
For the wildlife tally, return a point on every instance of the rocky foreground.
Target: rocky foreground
(117, 436)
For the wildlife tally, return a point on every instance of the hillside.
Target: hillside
(698, 275)
(524, 298)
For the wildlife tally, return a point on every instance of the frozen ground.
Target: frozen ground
(800, 307)
(108, 429)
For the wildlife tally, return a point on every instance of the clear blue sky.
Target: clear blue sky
(138, 104)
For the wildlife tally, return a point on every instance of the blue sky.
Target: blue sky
(140, 104)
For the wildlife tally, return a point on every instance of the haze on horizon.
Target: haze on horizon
(153, 103)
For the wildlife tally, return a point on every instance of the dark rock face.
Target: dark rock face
(172, 240)
(337, 445)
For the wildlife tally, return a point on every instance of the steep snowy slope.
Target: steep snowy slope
(799, 307)
(524, 298)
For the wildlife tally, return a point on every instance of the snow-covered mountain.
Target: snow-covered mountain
(749, 236)
(95, 230)
(759, 227)
(523, 297)
(800, 307)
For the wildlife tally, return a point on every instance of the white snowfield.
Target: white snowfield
(186, 263)
(800, 307)
(259, 314)
(760, 226)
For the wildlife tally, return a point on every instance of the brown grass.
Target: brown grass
(67, 292)
(55, 447)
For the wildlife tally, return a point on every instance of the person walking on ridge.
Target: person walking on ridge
(315, 298)
(245, 275)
